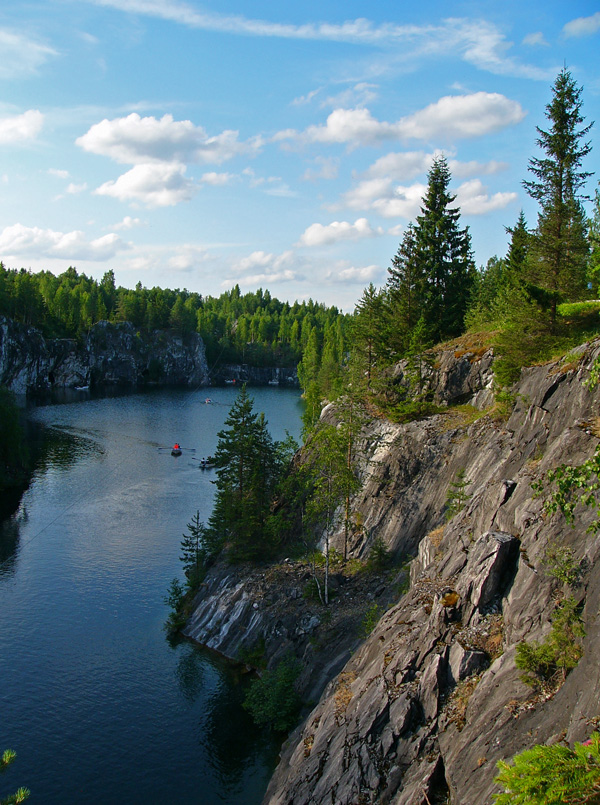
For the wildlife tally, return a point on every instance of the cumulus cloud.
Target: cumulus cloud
(60, 174)
(136, 140)
(128, 223)
(325, 235)
(583, 26)
(18, 128)
(35, 242)
(154, 185)
(21, 56)
(451, 117)
(385, 198)
(275, 263)
(473, 198)
(342, 272)
(217, 179)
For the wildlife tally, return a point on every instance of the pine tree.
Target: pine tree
(368, 330)
(594, 266)
(560, 245)
(405, 291)
(518, 250)
(444, 257)
(247, 471)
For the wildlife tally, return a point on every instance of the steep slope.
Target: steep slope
(433, 698)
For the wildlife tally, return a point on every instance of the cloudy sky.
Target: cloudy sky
(198, 144)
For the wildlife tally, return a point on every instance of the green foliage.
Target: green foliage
(457, 496)
(560, 246)
(561, 565)
(552, 775)
(573, 485)
(175, 599)
(370, 620)
(273, 700)
(249, 468)
(8, 757)
(380, 557)
(548, 662)
(194, 551)
(253, 655)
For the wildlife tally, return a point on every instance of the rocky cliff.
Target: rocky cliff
(109, 354)
(424, 708)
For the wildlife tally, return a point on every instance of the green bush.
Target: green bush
(272, 700)
(548, 662)
(370, 620)
(552, 775)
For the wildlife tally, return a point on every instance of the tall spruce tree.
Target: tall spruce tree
(444, 257)
(248, 468)
(560, 246)
(518, 250)
(368, 330)
(405, 291)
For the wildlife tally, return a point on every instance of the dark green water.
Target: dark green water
(97, 704)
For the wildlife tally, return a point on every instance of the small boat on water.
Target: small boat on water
(273, 382)
(176, 450)
(206, 463)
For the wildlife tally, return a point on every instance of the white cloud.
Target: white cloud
(217, 179)
(263, 260)
(385, 198)
(128, 223)
(155, 185)
(320, 235)
(74, 189)
(476, 41)
(473, 198)
(536, 39)
(21, 56)
(358, 95)
(401, 167)
(344, 273)
(136, 140)
(583, 26)
(451, 117)
(35, 242)
(21, 127)
(60, 174)
(457, 116)
(462, 170)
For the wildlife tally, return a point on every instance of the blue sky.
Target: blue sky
(283, 146)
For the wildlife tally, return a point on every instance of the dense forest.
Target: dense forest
(251, 328)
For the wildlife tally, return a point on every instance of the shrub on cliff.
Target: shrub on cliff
(552, 775)
(272, 700)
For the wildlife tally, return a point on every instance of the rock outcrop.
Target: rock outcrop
(427, 705)
(111, 354)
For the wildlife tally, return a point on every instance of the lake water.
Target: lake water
(99, 707)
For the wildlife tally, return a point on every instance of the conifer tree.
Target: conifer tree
(444, 257)
(518, 250)
(368, 330)
(247, 471)
(560, 246)
(405, 291)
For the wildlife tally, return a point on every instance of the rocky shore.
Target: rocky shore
(420, 711)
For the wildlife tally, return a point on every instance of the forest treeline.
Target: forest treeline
(253, 328)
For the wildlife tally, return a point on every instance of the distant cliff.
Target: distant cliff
(423, 709)
(111, 354)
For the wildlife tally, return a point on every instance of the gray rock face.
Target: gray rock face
(432, 699)
(111, 354)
